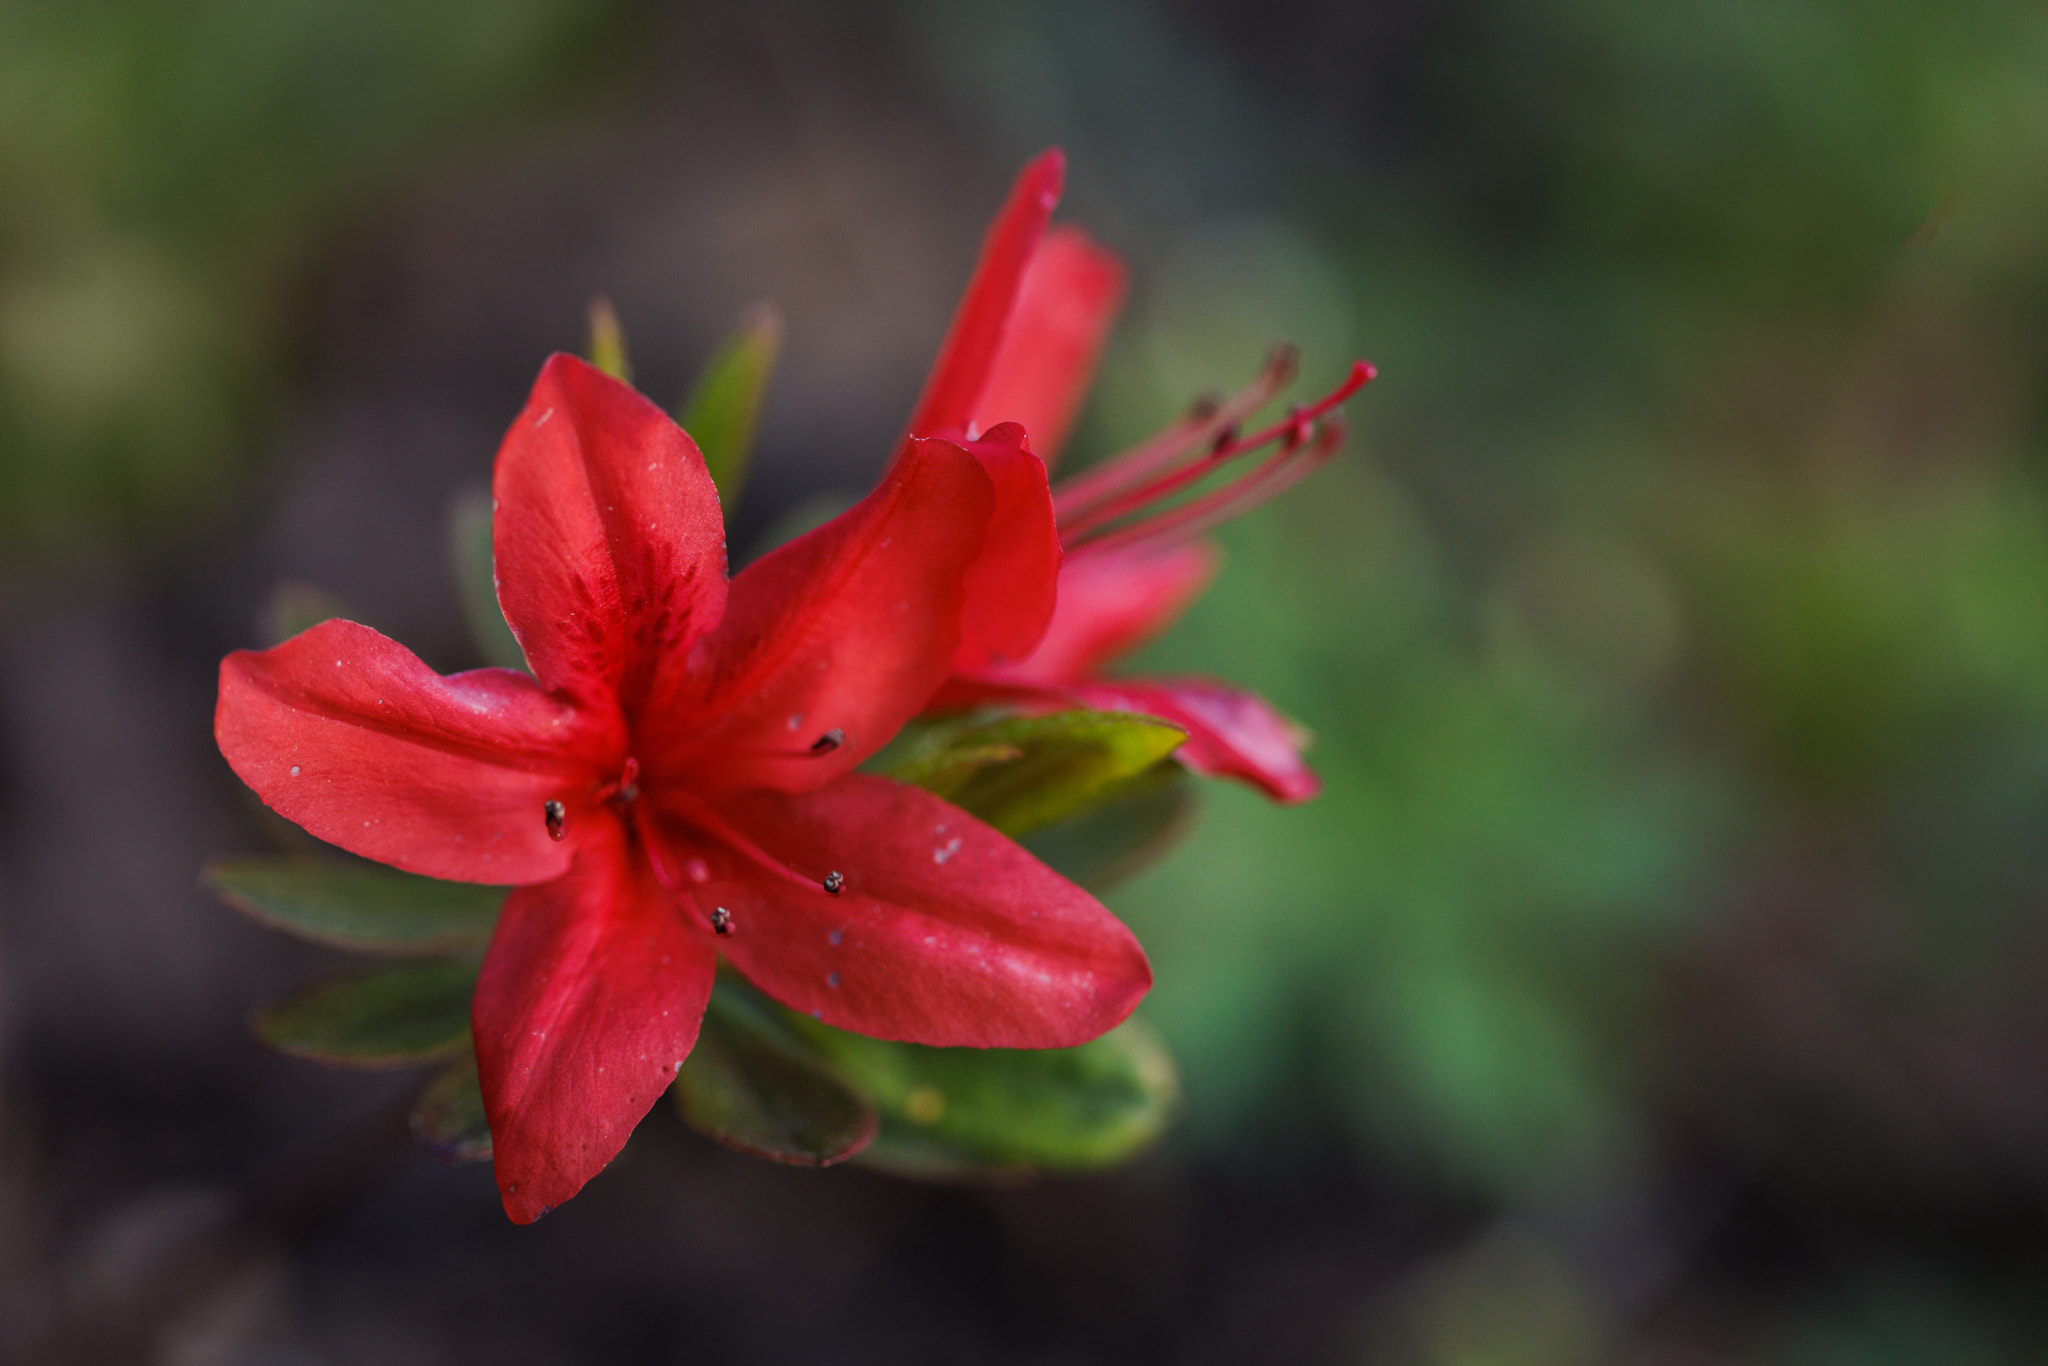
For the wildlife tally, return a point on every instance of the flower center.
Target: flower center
(623, 790)
(621, 793)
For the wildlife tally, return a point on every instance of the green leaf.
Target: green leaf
(358, 906)
(293, 607)
(966, 1111)
(448, 1119)
(469, 541)
(394, 1016)
(1063, 764)
(1132, 828)
(752, 1085)
(722, 409)
(945, 770)
(608, 341)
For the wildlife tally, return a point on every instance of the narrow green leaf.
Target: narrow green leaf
(293, 607)
(358, 906)
(964, 1111)
(469, 542)
(945, 770)
(608, 341)
(752, 1085)
(394, 1016)
(1064, 763)
(449, 1118)
(1132, 828)
(722, 409)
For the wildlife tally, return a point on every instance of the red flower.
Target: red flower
(1022, 349)
(676, 779)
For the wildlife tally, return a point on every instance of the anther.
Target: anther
(829, 741)
(835, 882)
(557, 818)
(1283, 362)
(721, 920)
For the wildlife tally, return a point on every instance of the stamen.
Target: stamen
(626, 787)
(835, 882)
(721, 920)
(711, 823)
(1199, 430)
(651, 842)
(1281, 472)
(1292, 432)
(830, 742)
(557, 818)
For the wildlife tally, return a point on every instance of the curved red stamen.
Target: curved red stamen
(1208, 425)
(1272, 477)
(1081, 519)
(698, 814)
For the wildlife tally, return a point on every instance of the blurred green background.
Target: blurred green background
(1660, 977)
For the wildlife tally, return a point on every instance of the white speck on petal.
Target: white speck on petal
(295, 770)
(542, 420)
(946, 850)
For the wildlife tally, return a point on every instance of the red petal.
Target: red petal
(848, 629)
(610, 544)
(969, 353)
(1014, 582)
(589, 1001)
(946, 933)
(1231, 733)
(1064, 310)
(346, 732)
(1110, 603)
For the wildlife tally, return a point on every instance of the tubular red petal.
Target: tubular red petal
(347, 733)
(976, 336)
(944, 932)
(1068, 299)
(1231, 733)
(1014, 582)
(589, 1001)
(839, 635)
(610, 543)
(1110, 603)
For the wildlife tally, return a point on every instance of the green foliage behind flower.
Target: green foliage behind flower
(168, 168)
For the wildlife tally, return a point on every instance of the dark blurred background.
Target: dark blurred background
(1662, 978)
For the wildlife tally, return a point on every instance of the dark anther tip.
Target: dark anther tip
(721, 921)
(829, 741)
(835, 882)
(557, 818)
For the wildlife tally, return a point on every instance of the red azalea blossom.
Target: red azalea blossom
(1022, 349)
(676, 779)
